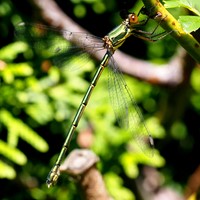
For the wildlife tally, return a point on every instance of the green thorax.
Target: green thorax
(118, 35)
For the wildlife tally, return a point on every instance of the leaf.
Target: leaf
(11, 51)
(195, 80)
(190, 23)
(129, 164)
(171, 4)
(191, 5)
(115, 186)
(19, 128)
(41, 112)
(156, 130)
(21, 69)
(6, 171)
(12, 70)
(12, 153)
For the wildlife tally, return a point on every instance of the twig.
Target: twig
(169, 74)
(80, 164)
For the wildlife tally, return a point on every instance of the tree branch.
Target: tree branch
(81, 165)
(169, 74)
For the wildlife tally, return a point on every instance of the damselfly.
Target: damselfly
(127, 112)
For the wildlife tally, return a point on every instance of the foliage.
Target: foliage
(38, 101)
(193, 5)
(189, 23)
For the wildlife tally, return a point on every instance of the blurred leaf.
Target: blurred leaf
(99, 7)
(12, 153)
(130, 159)
(17, 127)
(129, 164)
(155, 128)
(79, 11)
(179, 130)
(6, 171)
(190, 23)
(115, 186)
(5, 8)
(192, 5)
(11, 51)
(41, 112)
(196, 101)
(195, 80)
(12, 70)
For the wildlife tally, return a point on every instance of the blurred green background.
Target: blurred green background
(38, 102)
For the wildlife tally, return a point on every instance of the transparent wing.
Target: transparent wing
(126, 110)
(58, 44)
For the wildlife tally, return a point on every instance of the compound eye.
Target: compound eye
(133, 19)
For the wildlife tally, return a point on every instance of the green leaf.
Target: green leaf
(179, 130)
(115, 186)
(6, 171)
(12, 70)
(12, 153)
(190, 5)
(190, 23)
(19, 128)
(195, 101)
(79, 11)
(171, 4)
(155, 128)
(195, 80)
(41, 112)
(11, 51)
(136, 156)
(129, 164)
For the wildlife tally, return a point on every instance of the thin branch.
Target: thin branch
(186, 40)
(169, 74)
(80, 164)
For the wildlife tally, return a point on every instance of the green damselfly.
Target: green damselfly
(124, 105)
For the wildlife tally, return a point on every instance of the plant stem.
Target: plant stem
(187, 41)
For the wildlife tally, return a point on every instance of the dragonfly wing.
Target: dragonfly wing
(126, 110)
(59, 45)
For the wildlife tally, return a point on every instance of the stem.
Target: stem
(186, 40)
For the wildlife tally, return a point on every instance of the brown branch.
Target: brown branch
(151, 186)
(193, 185)
(80, 164)
(168, 74)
